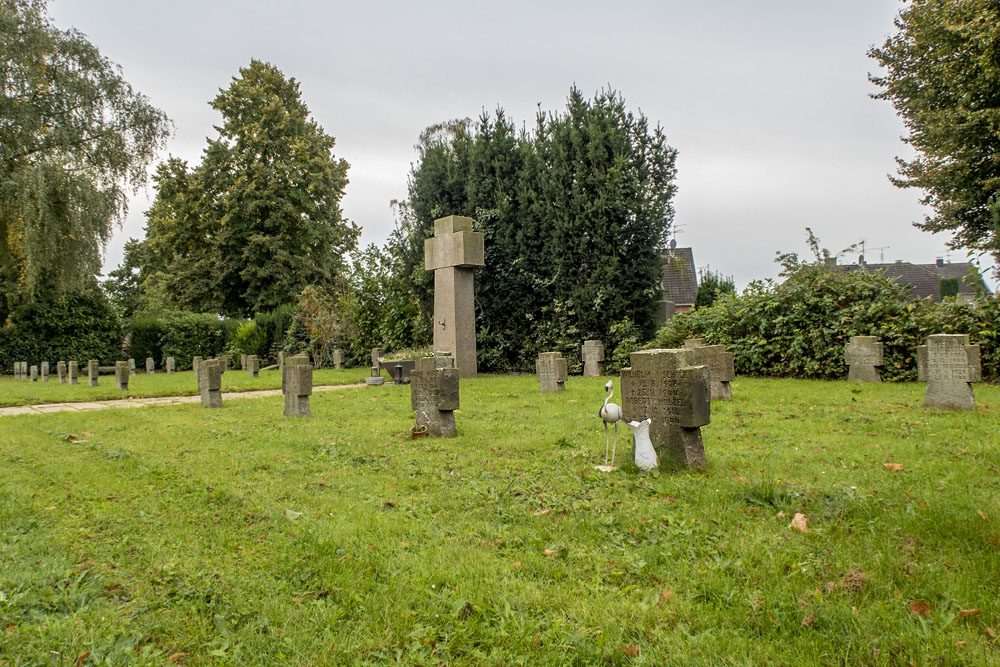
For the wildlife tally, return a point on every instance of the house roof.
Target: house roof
(925, 279)
(680, 279)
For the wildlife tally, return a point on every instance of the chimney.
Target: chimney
(940, 261)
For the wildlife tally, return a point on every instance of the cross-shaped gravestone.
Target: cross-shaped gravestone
(45, 371)
(949, 365)
(550, 367)
(171, 365)
(61, 371)
(667, 387)
(122, 374)
(338, 358)
(131, 366)
(223, 362)
(73, 370)
(253, 365)
(93, 372)
(862, 354)
(150, 366)
(434, 394)
(296, 385)
(719, 361)
(210, 383)
(33, 373)
(452, 253)
(593, 354)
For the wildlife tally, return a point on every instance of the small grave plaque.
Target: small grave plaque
(131, 366)
(434, 394)
(61, 371)
(210, 383)
(593, 355)
(253, 365)
(171, 365)
(296, 385)
(122, 373)
(550, 367)
(862, 354)
(949, 365)
(338, 358)
(667, 387)
(719, 361)
(73, 371)
(93, 372)
(150, 366)
(33, 373)
(45, 371)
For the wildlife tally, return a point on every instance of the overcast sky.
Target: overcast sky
(766, 102)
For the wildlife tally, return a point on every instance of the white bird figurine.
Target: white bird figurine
(611, 414)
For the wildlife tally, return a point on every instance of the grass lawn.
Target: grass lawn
(18, 392)
(160, 535)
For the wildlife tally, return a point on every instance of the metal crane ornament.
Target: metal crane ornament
(610, 413)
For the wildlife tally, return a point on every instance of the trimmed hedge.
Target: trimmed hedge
(799, 328)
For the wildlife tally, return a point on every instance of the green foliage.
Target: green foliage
(249, 338)
(179, 334)
(74, 139)
(943, 78)
(572, 213)
(259, 218)
(274, 324)
(623, 339)
(146, 338)
(799, 328)
(949, 287)
(712, 285)
(76, 326)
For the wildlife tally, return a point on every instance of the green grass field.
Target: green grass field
(14, 392)
(160, 535)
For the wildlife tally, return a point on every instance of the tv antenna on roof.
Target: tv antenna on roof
(881, 253)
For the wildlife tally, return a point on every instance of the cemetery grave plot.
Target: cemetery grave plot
(141, 535)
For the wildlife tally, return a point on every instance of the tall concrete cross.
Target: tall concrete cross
(451, 254)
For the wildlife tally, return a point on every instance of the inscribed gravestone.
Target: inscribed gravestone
(667, 387)
(719, 361)
(593, 354)
(296, 385)
(122, 374)
(862, 354)
(93, 371)
(45, 371)
(452, 254)
(550, 367)
(131, 366)
(434, 394)
(949, 365)
(171, 365)
(73, 370)
(33, 373)
(210, 383)
(150, 366)
(61, 371)
(253, 365)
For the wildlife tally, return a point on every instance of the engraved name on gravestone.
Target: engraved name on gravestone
(338, 358)
(296, 385)
(93, 372)
(73, 371)
(862, 354)
(593, 354)
(949, 365)
(45, 371)
(61, 371)
(210, 383)
(720, 364)
(452, 254)
(171, 365)
(550, 368)
(150, 366)
(122, 374)
(434, 395)
(666, 387)
(253, 365)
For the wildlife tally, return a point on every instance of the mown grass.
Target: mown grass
(18, 392)
(160, 535)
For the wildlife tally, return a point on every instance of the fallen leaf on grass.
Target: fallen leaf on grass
(80, 658)
(921, 609)
(807, 621)
(550, 552)
(966, 613)
(630, 651)
(983, 514)
(177, 657)
(666, 595)
(990, 632)
(541, 512)
(739, 479)
(799, 523)
(894, 467)
(10, 628)
(961, 643)
(292, 515)
(516, 565)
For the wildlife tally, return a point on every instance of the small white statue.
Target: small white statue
(645, 455)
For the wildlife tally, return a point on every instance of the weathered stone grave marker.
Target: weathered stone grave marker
(593, 354)
(667, 387)
(719, 361)
(61, 371)
(862, 354)
(150, 366)
(44, 371)
(550, 367)
(171, 365)
(17, 370)
(131, 366)
(243, 362)
(338, 358)
(296, 385)
(122, 374)
(73, 370)
(434, 394)
(452, 254)
(93, 372)
(253, 365)
(33, 373)
(24, 371)
(210, 383)
(948, 364)
(196, 365)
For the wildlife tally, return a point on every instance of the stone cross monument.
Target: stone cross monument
(721, 370)
(61, 371)
(17, 370)
(949, 364)
(122, 374)
(666, 387)
(33, 373)
(171, 365)
(862, 354)
(150, 366)
(452, 253)
(434, 395)
(131, 366)
(45, 371)
(338, 358)
(253, 365)
(93, 372)
(550, 368)
(210, 383)
(73, 370)
(296, 385)
(593, 354)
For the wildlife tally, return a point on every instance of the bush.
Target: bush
(147, 338)
(187, 335)
(800, 327)
(274, 325)
(248, 338)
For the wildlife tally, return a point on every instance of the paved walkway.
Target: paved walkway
(45, 408)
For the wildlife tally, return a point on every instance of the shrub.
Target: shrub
(274, 325)
(147, 338)
(248, 338)
(186, 335)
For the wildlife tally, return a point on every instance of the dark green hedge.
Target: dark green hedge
(800, 327)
